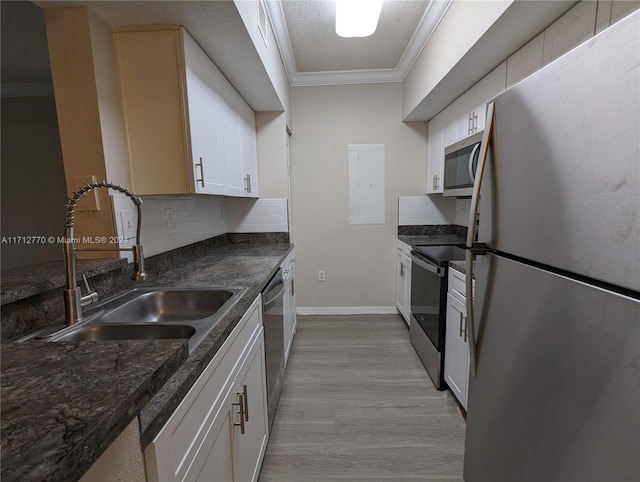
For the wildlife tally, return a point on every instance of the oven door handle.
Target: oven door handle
(438, 270)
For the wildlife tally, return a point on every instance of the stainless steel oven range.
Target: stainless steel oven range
(429, 266)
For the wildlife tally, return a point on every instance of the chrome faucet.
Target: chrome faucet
(73, 298)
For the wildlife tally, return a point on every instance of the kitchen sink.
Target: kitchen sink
(168, 305)
(127, 332)
(149, 314)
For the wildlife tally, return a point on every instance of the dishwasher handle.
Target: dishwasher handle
(275, 285)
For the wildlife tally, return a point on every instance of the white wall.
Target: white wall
(359, 260)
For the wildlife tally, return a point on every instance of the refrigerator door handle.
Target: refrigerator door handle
(475, 249)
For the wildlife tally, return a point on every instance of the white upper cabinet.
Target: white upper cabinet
(525, 61)
(205, 119)
(570, 30)
(465, 116)
(186, 126)
(239, 139)
(471, 107)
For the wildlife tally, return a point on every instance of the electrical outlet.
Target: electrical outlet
(463, 206)
(171, 221)
(321, 276)
(89, 202)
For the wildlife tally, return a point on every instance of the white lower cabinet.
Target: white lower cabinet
(403, 281)
(219, 431)
(289, 303)
(456, 353)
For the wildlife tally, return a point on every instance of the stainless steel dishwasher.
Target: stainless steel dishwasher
(273, 320)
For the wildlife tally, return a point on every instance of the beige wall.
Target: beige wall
(271, 136)
(69, 32)
(359, 260)
(463, 24)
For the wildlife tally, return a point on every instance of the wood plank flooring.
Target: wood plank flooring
(357, 405)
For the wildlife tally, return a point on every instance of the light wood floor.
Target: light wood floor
(357, 405)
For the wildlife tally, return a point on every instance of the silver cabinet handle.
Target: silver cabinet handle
(245, 396)
(240, 404)
(201, 180)
(460, 328)
(402, 270)
(470, 124)
(247, 183)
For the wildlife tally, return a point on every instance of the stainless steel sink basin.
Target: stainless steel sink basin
(127, 332)
(168, 305)
(149, 313)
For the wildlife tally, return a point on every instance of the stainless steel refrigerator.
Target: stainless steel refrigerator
(554, 389)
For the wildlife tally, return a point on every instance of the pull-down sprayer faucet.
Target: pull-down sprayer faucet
(73, 298)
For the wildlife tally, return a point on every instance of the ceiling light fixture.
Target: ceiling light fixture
(357, 18)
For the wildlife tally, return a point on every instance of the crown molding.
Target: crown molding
(430, 20)
(376, 76)
(280, 32)
(428, 23)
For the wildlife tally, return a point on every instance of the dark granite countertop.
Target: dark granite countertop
(63, 404)
(433, 239)
(459, 266)
(20, 283)
(241, 265)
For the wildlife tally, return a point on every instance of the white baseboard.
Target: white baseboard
(347, 310)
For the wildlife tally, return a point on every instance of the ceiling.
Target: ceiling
(304, 29)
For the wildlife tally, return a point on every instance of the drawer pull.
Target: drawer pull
(240, 405)
(246, 403)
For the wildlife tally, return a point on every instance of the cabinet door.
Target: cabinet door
(403, 287)
(570, 30)
(151, 87)
(205, 119)
(525, 61)
(456, 358)
(249, 447)
(249, 150)
(492, 85)
(622, 8)
(435, 154)
(232, 139)
(214, 461)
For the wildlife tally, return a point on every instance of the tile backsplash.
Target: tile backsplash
(432, 210)
(425, 210)
(170, 222)
(257, 215)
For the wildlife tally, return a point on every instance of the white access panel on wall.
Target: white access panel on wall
(366, 183)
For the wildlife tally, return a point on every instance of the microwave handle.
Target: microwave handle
(472, 174)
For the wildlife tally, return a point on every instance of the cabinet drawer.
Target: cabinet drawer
(457, 284)
(404, 248)
(173, 450)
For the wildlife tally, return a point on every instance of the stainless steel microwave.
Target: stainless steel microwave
(460, 163)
